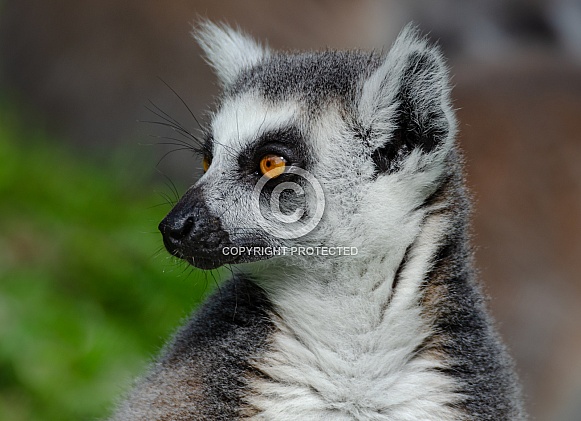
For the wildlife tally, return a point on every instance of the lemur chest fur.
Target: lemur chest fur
(349, 349)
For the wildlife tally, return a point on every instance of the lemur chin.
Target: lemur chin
(363, 144)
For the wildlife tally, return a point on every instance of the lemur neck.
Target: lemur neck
(402, 274)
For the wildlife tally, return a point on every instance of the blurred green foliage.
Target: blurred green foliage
(87, 295)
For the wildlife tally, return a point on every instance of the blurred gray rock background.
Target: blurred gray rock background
(86, 70)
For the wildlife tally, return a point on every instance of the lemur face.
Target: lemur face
(257, 150)
(312, 149)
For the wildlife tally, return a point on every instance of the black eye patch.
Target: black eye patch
(287, 142)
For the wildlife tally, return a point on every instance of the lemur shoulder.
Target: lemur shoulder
(397, 331)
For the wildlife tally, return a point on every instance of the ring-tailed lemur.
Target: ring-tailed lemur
(397, 329)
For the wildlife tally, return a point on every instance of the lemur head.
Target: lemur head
(331, 148)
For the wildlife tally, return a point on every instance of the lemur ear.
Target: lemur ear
(227, 50)
(405, 102)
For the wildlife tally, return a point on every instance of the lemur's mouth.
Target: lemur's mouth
(212, 259)
(209, 261)
(205, 263)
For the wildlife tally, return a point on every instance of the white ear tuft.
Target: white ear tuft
(227, 50)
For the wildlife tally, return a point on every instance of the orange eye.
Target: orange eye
(206, 162)
(272, 165)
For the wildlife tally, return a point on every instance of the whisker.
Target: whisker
(178, 142)
(172, 126)
(169, 117)
(167, 199)
(183, 102)
(170, 152)
(157, 206)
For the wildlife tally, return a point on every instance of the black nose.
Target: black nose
(175, 229)
(184, 224)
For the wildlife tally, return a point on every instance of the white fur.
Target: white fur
(335, 355)
(228, 51)
(243, 119)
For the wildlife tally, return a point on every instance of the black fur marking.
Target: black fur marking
(400, 268)
(287, 142)
(396, 279)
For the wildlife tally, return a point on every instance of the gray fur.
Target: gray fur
(202, 373)
(464, 330)
(287, 339)
(314, 77)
